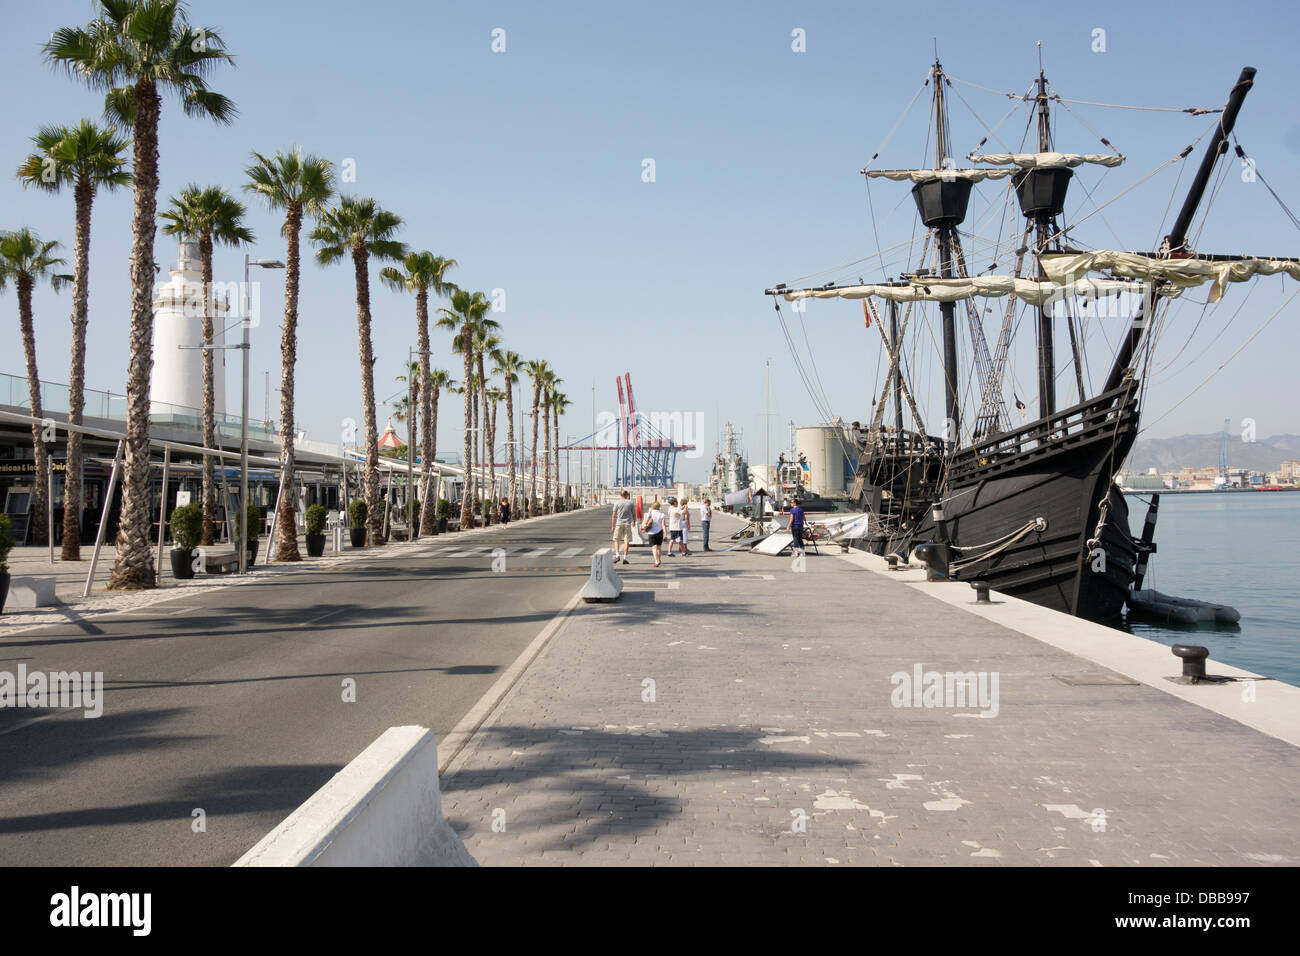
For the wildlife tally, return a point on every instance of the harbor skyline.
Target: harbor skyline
(557, 161)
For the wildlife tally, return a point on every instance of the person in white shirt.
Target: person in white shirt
(674, 525)
(706, 516)
(686, 525)
(653, 525)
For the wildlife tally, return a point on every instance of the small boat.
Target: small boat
(1154, 605)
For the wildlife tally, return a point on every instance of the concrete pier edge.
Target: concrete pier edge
(1275, 709)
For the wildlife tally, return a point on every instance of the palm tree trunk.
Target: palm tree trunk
(492, 456)
(429, 519)
(72, 477)
(40, 487)
(209, 492)
(467, 494)
(134, 567)
(426, 516)
(285, 518)
(510, 438)
(556, 446)
(478, 455)
(547, 507)
(374, 517)
(489, 492)
(532, 487)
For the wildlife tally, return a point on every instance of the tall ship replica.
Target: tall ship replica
(1031, 508)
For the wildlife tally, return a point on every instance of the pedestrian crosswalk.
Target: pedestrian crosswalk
(489, 552)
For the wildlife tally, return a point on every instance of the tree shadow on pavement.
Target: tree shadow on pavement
(561, 789)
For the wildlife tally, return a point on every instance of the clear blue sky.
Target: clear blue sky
(526, 166)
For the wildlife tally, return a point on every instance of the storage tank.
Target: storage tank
(829, 469)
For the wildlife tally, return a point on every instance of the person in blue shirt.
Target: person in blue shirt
(796, 527)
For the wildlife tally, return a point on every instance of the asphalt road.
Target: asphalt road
(233, 703)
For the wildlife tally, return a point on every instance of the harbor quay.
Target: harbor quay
(735, 709)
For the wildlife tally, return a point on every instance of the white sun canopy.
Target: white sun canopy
(1180, 273)
(930, 175)
(928, 289)
(1030, 160)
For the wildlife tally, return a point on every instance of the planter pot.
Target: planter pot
(358, 536)
(442, 526)
(182, 563)
(315, 545)
(4, 589)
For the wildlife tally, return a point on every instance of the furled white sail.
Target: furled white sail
(1030, 160)
(929, 175)
(1180, 273)
(926, 289)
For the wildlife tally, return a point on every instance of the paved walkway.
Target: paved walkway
(729, 710)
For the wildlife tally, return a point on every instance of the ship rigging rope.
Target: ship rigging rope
(1224, 364)
(1193, 110)
(1260, 176)
(1005, 543)
(902, 116)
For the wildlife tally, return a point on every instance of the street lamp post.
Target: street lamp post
(243, 418)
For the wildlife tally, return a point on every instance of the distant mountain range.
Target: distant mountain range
(1202, 451)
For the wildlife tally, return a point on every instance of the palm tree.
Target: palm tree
(537, 371)
(297, 183)
(552, 441)
(494, 396)
(210, 215)
(559, 402)
(486, 345)
(422, 273)
(135, 51)
(362, 229)
(26, 260)
(467, 310)
(508, 366)
(437, 380)
(84, 157)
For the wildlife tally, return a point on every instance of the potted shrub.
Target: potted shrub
(315, 518)
(254, 515)
(187, 530)
(6, 545)
(357, 513)
(444, 513)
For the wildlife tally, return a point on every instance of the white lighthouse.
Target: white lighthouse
(176, 392)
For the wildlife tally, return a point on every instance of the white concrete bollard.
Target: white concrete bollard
(382, 809)
(29, 593)
(636, 533)
(604, 584)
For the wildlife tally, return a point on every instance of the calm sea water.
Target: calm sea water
(1241, 549)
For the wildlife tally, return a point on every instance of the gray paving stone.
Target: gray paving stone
(772, 697)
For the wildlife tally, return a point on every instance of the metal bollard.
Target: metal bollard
(1193, 657)
(981, 592)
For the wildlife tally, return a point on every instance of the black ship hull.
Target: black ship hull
(1058, 470)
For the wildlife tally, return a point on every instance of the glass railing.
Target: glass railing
(106, 405)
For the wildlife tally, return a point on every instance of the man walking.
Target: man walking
(686, 525)
(706, 515)
(796, 528)
(674, 526)
(620, 523)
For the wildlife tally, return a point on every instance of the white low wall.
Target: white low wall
(382, 809)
